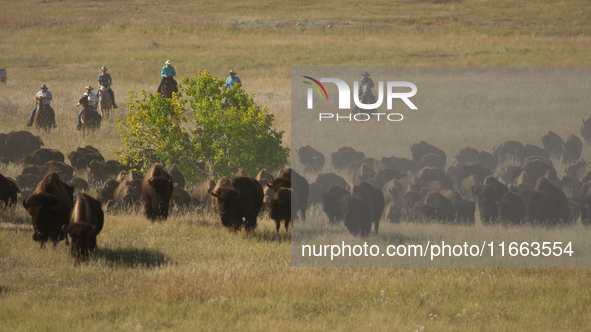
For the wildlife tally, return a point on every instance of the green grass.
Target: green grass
(189, 273)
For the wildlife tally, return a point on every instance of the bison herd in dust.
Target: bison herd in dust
(513, 185)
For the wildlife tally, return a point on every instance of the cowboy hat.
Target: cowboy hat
(89, 87)
(44, 86)
(168, 62)
(104, 68)
(365, 74)
(232, 71)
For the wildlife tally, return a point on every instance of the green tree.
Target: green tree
(203, 136)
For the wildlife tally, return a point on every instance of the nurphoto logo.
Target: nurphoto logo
(360, 112)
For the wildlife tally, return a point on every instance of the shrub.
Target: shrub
(194, 129)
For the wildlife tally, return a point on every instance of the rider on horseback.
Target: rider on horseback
(168, 71)
(46, 99)
(104, 80)
(366, 81)
(92, 101)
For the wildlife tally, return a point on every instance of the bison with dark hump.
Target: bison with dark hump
(312, 159)
(281, 205)
(156, 188)
(50, 206)
(363, 207)
(331, 205)
(85, 224)
(240, 204)
(8, 192)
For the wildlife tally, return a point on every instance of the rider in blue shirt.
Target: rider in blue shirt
(232, 79)
(168, 70)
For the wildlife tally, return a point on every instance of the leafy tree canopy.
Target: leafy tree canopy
(197, 131)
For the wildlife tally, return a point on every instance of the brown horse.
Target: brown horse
(43, 117)
(105, 101)
(88, 119)
(167, 87)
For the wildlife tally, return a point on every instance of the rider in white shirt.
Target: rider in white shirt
(46, 99)
(92, 102)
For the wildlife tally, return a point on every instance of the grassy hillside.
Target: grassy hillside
(189, 273)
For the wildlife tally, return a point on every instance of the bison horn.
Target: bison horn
(25, 205)
(214, 194)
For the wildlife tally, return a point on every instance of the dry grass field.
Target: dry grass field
(189, 273)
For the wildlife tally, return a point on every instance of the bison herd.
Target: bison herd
(515, 184)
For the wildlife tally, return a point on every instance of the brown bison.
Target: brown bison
(330, 203)
(509, 151)
(323, 182)
(50, 206)
(82, 156)
(571, 150)
(177, 176)
(301, 187)
(28, 180)
(445, 210)
(280, 207)
(402, 165)
(345, 157)
(363, 173)
(41, 156)
(8, 192)
(126, 194)
(201, 193)
(467, 155)
(467, 184)
(156, 188)
(392, 213)
(558, 207)
(264, 177)
(363, 207)
(240, 203)
(553, 144)
(512, 208)
(311, 159)
(107, 192)
(180, 197)
(85, 224)
(487, 205)
(17, 144)
(422, 148)
(429, 174)
(537, 168)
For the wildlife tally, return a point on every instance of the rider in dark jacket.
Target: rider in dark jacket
(104, 80)
(365, 81)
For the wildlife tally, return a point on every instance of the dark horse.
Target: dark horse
(43, 117)
(88, 119)
(167, 87)
(367, 97)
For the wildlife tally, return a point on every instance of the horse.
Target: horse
(42, 117)
(367, 97)
(105, 101)
(88, 119)
(167, 87)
